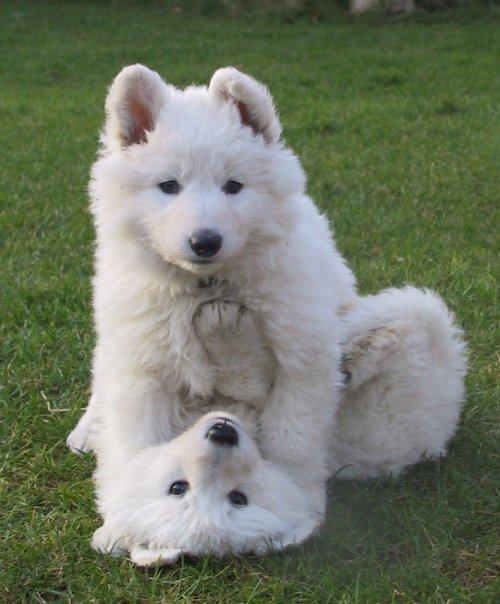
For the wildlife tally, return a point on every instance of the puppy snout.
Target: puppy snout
(223, 433)
(205, 243)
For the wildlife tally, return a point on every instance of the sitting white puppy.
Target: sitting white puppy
(210, 491)
(196, 200)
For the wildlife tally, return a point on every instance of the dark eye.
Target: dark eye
(171, 187)
(178, 488)
(238, 499)
(232, 187)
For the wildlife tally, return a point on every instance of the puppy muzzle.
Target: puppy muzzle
(223, 433)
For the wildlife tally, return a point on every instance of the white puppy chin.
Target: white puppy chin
(199, 268)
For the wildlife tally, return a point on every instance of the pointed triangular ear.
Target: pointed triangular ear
(252, 99)
(133, 104)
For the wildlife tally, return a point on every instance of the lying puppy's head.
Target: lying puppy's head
(197, 177)
(208, 491)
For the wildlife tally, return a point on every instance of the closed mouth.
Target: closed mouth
(225, 420)
(201, 261)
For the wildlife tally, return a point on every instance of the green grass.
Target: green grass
(398, 128)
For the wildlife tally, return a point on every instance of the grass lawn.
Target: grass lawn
(398, 128)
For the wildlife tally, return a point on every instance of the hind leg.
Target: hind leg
(364, 356)
(403, 402)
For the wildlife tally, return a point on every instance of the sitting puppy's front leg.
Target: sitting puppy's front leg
(138, 412)
(297, 421)
(295, 428)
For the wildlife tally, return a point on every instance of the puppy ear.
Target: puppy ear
(252, 99)
(293, 537)
(134, 102)
(297, 535)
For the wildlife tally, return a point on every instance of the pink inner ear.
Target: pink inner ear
(142, 122)
(246, 120)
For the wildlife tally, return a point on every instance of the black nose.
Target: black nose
(205, 243)
(223, 434)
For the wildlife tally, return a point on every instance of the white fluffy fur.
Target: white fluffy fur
(256, 332)
(406, 360)
(139, 512)
(277, 259)
(394, 7)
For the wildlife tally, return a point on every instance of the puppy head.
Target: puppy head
(198, 177)
(206, 492)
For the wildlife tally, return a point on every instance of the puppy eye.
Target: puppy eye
(238, 499)
(171, 187)
(178, 488)
(232, 187)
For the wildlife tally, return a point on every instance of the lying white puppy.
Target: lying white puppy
(211, 491)
(207, 491)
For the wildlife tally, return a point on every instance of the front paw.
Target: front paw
(218, 316)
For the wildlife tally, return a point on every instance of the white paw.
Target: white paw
(142, 556)
(105, 541)
(364, 356)
(78, 439)
(218, 316)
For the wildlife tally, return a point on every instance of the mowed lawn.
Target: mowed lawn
(397, 125)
